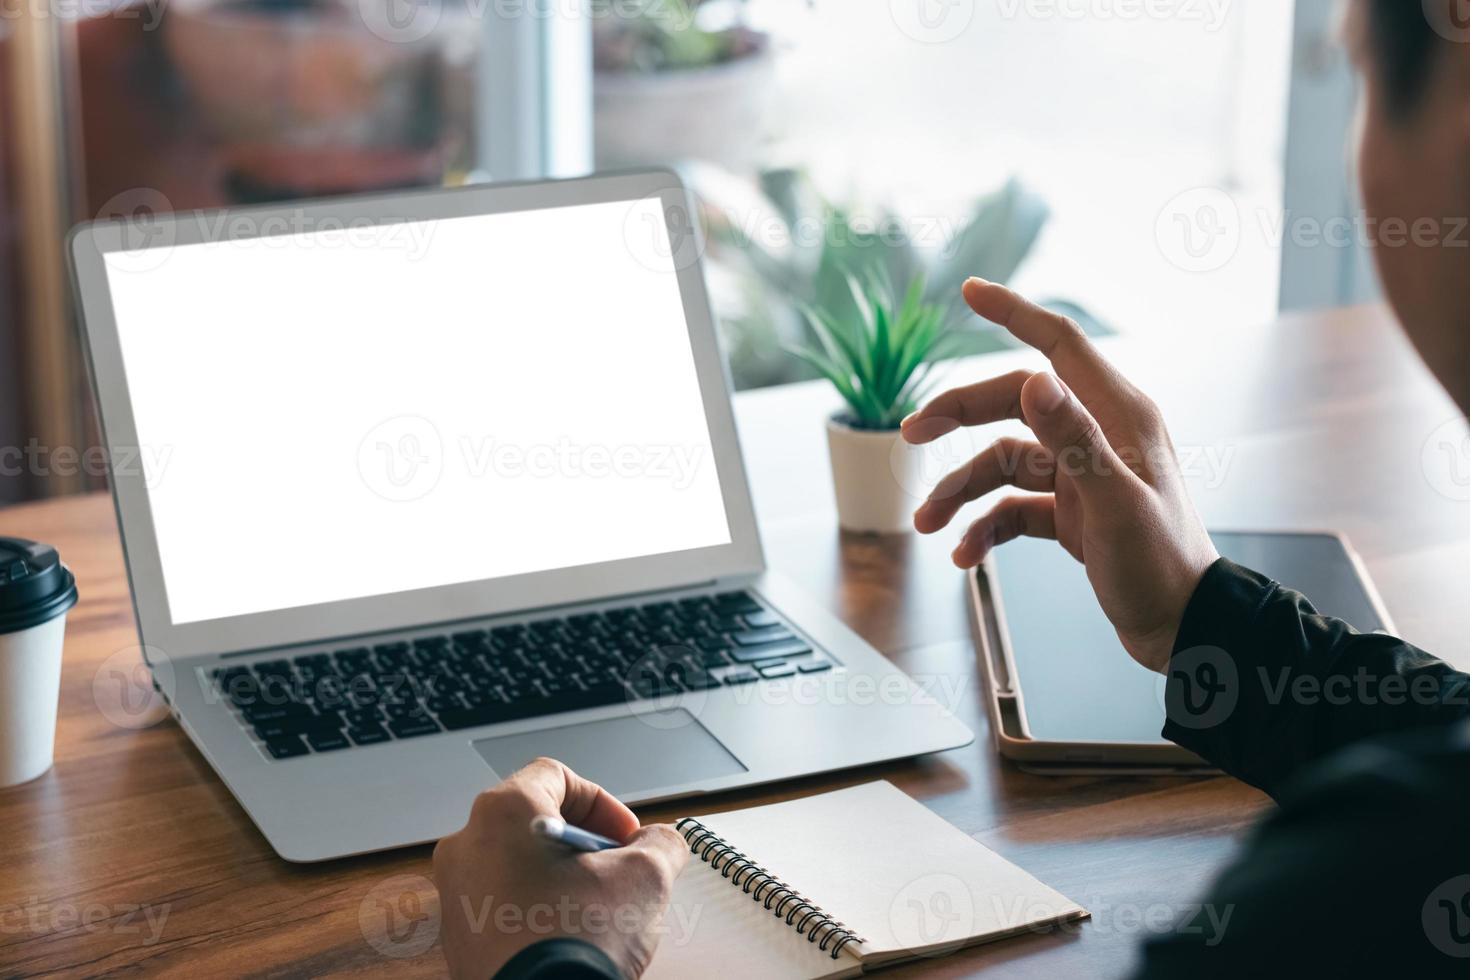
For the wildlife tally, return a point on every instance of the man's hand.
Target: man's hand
(1113, 494)
(501, 889)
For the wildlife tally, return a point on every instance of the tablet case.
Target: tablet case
(1005, 701)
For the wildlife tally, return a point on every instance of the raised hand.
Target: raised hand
(1104, 479)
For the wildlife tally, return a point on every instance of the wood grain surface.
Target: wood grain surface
(131, 857)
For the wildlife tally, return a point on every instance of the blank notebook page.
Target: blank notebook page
(715, 930)
(888, 868)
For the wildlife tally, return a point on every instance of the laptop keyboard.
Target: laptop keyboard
(326, 701)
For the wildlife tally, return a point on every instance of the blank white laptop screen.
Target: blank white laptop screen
(334, 414)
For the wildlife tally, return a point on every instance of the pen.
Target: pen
(559, 831)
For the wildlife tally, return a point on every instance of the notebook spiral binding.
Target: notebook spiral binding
(778, 898)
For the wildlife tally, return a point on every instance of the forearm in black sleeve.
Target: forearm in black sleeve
(1260, 683)
(559, 959)
(1362, 872)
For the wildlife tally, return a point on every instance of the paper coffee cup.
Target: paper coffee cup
(36, 591)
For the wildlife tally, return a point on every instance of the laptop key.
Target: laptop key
(736, 602)
(327, 741)
(765, 651)
(286, 747)
(749, 638)
(780, 670)
(413, 726)
(647, 688)
(298, 724)
(756, 620)
(814, 666)
(353, 662)
(520, 691)
(242, 689)
(492, 714)
(329, 692)
(700, 681)
(275, 689)
(257, 714)
(741, 675)
(362, 717)
(714, 658)
(369, 735)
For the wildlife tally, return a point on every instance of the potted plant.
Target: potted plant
(677, 80)
(877, 352)
(778, 246)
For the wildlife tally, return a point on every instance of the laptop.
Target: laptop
(416, 488)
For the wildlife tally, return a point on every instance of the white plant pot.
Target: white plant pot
(876, 476)
(719, 114)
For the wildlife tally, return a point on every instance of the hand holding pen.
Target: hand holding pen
(617, 865)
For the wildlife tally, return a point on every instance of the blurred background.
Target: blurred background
(1147, 166)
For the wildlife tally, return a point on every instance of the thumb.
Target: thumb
(1069, 432)
(665, 843)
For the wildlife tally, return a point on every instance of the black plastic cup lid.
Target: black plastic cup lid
(35, 587)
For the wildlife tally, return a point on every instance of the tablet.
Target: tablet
(1064, 692)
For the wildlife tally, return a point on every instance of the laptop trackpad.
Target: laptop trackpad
(626, 755)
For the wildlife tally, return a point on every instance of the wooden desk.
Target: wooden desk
(1319, 422)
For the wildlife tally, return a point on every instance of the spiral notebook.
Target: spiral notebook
(833, 885)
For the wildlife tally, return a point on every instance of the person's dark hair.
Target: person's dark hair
(1402, 41)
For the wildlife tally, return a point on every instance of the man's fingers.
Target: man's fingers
(989, 401)
(1009, 462)
(1072, 436)
(1033, 517)
(558, 790)
(1060, 339)
(665, 843)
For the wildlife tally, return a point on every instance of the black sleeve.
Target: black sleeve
(1365, 868)
(1364, 871)
(559, 959)
(1260, 684)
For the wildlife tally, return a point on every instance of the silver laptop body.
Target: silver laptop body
(415, 488)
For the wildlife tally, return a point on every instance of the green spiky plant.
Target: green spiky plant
(766, 285)
(878, 352)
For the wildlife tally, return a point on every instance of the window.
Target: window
(1154, 134)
